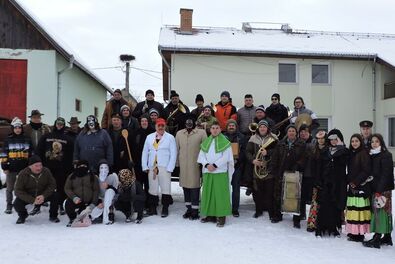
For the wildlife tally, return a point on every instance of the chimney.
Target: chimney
(186, 21)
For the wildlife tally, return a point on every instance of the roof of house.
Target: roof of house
(59, 46)
(281, 42)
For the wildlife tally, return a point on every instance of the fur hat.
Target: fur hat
(16, 122)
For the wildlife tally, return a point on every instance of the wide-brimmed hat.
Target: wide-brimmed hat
(35, 112)
(74, 120)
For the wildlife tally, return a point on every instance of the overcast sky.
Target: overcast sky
(99, 31)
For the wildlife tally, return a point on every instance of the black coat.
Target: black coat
(132, 193)
(138, 111)
(333, 178)
(177, 121)
(359, 169)
(383, 172)
(278, 113)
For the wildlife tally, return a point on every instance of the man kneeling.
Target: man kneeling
(131, 196)
(35, 185)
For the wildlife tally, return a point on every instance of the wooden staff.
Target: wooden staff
(125, 135)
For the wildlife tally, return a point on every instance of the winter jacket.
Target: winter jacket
(278, 113)
(16, 151)
(383, 172)
(224, 113)
(56, 151)
(86, 188)
(132, 193)
(304, 110)
(188, 147)
(35, 132)
(359, 169)
(93, 147)
(130, 123)
(245, 116)
(138, 111)
(116, 138)
(208, 122)
(177, 121)
(28, 185)
(287, 157)
(112, 107)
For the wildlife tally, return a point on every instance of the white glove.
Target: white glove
(293, 119)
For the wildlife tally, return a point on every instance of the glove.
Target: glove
(293, 119)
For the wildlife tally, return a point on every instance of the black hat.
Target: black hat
(174, 94)
(34, 159)
(225, 93)
(304, 127)
(337, 133)
(276, 95)
(149, 92)
(80, 163)
(74, 120)
(35, 112)
(366, 123)
(118, 91)
(199, 98)
(103, 161)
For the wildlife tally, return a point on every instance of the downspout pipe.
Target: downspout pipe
(374, 92)
(59, 86)
(168, 73)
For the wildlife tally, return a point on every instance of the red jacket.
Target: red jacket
(224, 113)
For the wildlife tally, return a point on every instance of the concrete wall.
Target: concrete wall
(75, 84)
(42, 85)
(346, 100)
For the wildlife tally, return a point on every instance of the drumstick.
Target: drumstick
(125, 135)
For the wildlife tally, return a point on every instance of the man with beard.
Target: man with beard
(145, 106)
(366, 132)
(260, 114)
(199, 106)
(278, 112)
(56, 152)
(129, 122)
(225, 110)
(36, 129)
(16, 151)
(300, 109)
(238, 141)
(188, 142)
(174, 115)
(246, 114)
(93, 144)
(206, 119)
(159, 160)
(113, 106)
(74, 128)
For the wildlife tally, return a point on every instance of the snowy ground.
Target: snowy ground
(175, 240)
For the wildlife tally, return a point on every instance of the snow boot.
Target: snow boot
(8, 210)
(167, 200)
(374, 242)
(386, 240)
(139, 218)
(188, 213)
(194, 214)
(21, 220)
(221, 221)
(153, 201)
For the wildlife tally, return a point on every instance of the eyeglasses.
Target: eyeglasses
(274, 99)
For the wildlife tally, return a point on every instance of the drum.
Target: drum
(291, 192)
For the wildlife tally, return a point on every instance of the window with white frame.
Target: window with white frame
(391, 131)
(287, 72)
(320, 73)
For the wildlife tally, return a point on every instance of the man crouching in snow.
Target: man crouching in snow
(82, 190)
(131, 196)
(108, 190)
(35, 185)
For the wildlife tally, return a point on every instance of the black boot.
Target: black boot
(152, 201)
(36, 210)
(188, 212)
(166, 201)
(8, 210)
(374, 242)
(21, 220)
(355, 238)
(194, 214)
(139, 218)
(296, 221)
(386, 240)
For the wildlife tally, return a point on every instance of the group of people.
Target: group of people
(283, 159)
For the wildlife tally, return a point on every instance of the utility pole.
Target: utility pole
(127, 59)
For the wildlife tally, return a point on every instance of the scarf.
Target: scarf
(221, 143)
(375, 151)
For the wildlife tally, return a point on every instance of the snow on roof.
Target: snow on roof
(60, 46)
(279, 42)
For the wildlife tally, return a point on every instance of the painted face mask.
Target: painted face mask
(103, 172)
(91, 121)
(189, 123)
